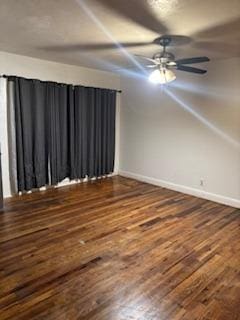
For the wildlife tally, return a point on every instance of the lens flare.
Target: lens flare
(100, 25)
(203, 120)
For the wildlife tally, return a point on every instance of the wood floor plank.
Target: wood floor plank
(118, 249)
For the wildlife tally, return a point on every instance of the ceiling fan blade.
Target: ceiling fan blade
(151, 66)
(224, 31)
(192, 60)
(137, 11)
(190, 69)
(146, 58)
(95, 46)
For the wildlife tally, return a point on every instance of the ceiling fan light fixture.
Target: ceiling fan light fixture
(171, 63)
(161, 76)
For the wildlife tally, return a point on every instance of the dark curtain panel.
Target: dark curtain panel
(59, 118)
(31, 133)
(62, 131)
(80, 132)
(101, 131)
(94, 124)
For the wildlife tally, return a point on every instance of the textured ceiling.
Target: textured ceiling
(76, 31)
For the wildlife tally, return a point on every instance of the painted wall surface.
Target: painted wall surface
(186, 132)
(12, 64)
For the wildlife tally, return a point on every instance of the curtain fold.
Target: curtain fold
(59, 110)
(80, 140)
(31, 133)
(101, 131)
(61, 131)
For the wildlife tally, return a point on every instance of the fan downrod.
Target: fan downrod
(163, 56)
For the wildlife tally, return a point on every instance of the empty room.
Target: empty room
(120, 160)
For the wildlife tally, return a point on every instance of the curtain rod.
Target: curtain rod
(7, 76)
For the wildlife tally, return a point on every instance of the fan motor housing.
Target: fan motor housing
(164, 57)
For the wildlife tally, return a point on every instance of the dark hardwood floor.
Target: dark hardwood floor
(118, 249)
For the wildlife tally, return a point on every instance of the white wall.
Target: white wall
(176, 139)
(12, 64)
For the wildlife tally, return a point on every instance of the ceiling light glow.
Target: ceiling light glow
(161, 76)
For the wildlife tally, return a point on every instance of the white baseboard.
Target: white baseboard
(184, 189)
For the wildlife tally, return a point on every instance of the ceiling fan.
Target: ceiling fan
(164, 62)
